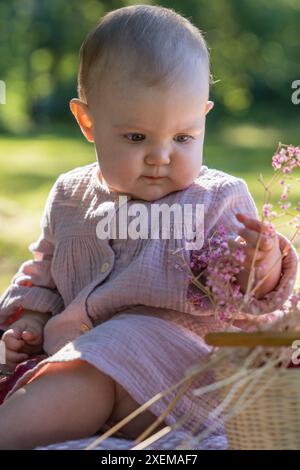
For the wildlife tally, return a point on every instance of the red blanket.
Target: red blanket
(7, 382)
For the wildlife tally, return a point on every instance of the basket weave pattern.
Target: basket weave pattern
(272, 419)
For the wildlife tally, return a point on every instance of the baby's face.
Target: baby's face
(149, 141)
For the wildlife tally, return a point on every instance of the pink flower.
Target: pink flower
(285, 192)
(294, 299)
(212, 271)
(286, 206)
(240, 255)
(286, 159)
(267, 210)
(217, 266)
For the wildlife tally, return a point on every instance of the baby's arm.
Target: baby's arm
(233, 198)
(24, 337)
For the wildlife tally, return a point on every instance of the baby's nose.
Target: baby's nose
(158, 156)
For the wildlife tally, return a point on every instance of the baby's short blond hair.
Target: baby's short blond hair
(150, 45)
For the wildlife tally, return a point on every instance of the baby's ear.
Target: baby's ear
(209, 106)
(81, 113)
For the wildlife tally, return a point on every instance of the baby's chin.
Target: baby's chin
(144, 191)
(148, 195)
(153, 193)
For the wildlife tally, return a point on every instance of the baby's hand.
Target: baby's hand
(268, 260)
(23, 339)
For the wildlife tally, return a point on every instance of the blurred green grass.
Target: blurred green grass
(29, 166)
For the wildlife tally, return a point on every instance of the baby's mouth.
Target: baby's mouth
(155, 177)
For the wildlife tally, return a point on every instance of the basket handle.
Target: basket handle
(257, 338)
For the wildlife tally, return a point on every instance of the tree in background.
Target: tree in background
(255, 54)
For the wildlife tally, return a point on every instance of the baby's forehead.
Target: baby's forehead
(152, 109)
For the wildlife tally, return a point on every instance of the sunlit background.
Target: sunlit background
(255, 58)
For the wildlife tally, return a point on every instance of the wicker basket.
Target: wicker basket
(269, 416)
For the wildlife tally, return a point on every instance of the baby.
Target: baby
(111, 314)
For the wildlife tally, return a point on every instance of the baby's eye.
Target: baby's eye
(182, 139)
(135, 137)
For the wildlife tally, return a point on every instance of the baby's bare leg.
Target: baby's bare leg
(124, 406)
(71, 401)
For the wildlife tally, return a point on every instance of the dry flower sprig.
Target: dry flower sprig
(285, 160)
(213, 269)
